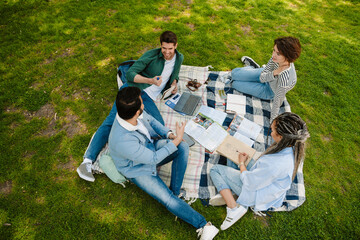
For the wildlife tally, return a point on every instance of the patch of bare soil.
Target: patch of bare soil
(47, 111)
(6, 187)
(73, 126)
(59, 54)
(246, 29)
(264, 220)
(327, 138)
(70, 165)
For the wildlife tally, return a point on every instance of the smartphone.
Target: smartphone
(188, 140)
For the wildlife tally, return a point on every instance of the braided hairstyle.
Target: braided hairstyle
(294, 133)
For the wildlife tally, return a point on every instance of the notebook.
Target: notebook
(187, 103)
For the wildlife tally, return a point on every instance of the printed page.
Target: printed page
(216, 115)
(244, 139)
(205, 131)
(249, 129)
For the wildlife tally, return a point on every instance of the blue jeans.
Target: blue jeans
(179, 164)
(156, 188)
(225, 177)
(101, 136)
(247, 80)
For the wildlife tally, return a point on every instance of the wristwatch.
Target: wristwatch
(168, 134)
(241, 163)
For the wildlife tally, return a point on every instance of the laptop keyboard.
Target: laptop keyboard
(190, 103)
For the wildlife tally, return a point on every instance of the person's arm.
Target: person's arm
(279, 94)
(155, 80)
(180, 128)
(133, 74)
(130, 148)
(242, 159)
(267, 74)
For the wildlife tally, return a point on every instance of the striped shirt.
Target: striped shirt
(280, 84)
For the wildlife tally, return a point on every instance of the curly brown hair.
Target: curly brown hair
(289, 47)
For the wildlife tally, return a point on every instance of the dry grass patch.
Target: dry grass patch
(6, 187)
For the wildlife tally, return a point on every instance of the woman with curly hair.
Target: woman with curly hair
(275, 80)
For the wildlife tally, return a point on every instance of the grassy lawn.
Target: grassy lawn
(58, 82)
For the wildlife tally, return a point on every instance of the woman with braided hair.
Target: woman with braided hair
(265, 184)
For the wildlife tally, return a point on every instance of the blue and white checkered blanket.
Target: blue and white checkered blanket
(197, 182)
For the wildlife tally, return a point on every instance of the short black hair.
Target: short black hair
(128, 102)
(168, 37)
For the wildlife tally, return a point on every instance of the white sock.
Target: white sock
(86, 160)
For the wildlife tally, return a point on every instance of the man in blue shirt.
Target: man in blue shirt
(138, 143)
(154, 72)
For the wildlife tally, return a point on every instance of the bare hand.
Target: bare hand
(180, 128)
(280, 69)
(157, 80)
(176, 88)
(243, 157)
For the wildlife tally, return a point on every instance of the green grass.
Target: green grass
(58, 66)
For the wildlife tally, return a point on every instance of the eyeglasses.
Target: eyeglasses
(193, 85)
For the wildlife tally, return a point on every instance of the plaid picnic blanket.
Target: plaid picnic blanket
(197, 182)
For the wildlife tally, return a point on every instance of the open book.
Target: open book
(245, 130)
(209, 133)
(207, 130)
(167, 93)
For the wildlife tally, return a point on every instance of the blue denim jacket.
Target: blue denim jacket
(133, 153)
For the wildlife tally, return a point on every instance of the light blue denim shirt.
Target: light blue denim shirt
(133, 153)
(266, 183)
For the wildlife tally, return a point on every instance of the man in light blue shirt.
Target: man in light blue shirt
(154, 72)
(139, 143)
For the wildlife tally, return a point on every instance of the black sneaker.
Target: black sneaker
(248, 61)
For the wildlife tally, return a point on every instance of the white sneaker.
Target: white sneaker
(232, 216)
(84, 171)
(248, 61)
(208, 232)
(217, 200)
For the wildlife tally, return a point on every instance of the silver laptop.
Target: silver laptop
(187, 103)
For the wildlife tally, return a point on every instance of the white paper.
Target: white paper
(249, 129)
(244, 139)
(216, 115)
(236, 103)
(206, 132)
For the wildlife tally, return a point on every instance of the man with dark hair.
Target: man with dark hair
(138, 143)
(154, 72)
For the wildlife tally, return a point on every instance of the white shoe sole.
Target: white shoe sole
(243, 58)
